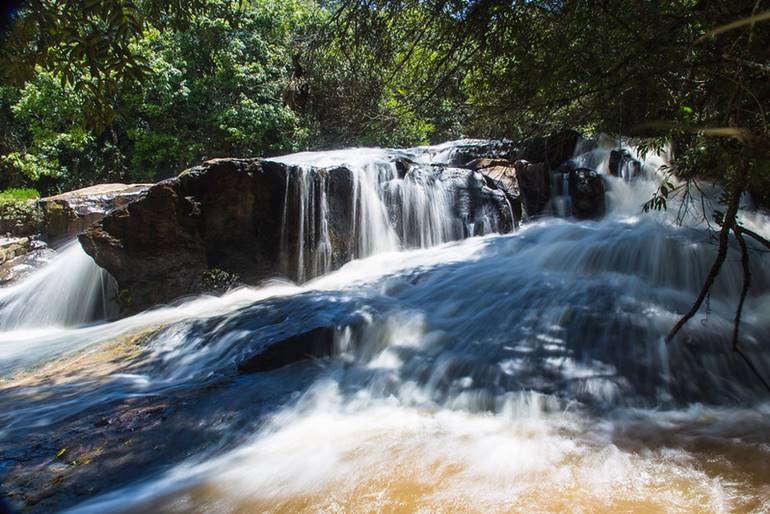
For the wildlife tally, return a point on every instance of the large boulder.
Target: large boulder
(503, 176)
(212, 217)
(586, 188)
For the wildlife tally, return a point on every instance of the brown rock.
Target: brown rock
(486, 163)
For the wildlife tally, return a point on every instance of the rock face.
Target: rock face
(535, 184)
(478, 201)
(624, 166)
(259, 219)
(524, 169)
(59, 217)
(504, 176)
(586, 188)
(212, 216)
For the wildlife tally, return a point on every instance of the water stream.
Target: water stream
(512, 372)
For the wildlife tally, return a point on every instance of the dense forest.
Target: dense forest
(132, 91)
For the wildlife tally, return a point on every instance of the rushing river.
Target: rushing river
(523, 372)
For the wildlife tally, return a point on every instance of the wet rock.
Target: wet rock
(19, 257)
(319, 204)
(403, 164)
(503, 176)
(586, 188)
(315, 343)
(535, 185)
(624, 166)
(479, 202)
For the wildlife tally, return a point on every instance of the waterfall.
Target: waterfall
(391, 211)
(70, 290)
(412, 367)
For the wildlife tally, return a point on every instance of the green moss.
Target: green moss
(18, 194)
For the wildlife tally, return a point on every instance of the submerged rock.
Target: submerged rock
(315, 343)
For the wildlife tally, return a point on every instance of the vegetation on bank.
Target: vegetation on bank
(18, 194)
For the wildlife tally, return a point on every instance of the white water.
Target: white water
(390, 213)
(521, 372)
(69, 290)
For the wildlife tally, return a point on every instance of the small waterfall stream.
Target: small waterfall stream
(511, 372)
(68, 291)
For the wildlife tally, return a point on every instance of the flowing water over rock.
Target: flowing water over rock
(70, 290)
(506, 373)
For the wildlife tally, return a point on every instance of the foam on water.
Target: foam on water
(70, 290)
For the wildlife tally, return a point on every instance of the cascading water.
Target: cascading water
(69, 291)
(518, 372)
(391, 211)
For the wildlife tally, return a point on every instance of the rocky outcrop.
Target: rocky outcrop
(503, 176)
(535, 184)
(524, 169)
(212, 216)
(624, 166)
(586, 188)
(258, 219)
(59, 217)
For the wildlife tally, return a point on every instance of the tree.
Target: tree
(214, 89)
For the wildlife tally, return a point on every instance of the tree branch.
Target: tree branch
(739, 309)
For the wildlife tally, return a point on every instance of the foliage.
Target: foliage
(19, 215)
(18, 194)
(70, 36)
(215, 88)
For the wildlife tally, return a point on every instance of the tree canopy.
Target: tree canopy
(135, 90)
